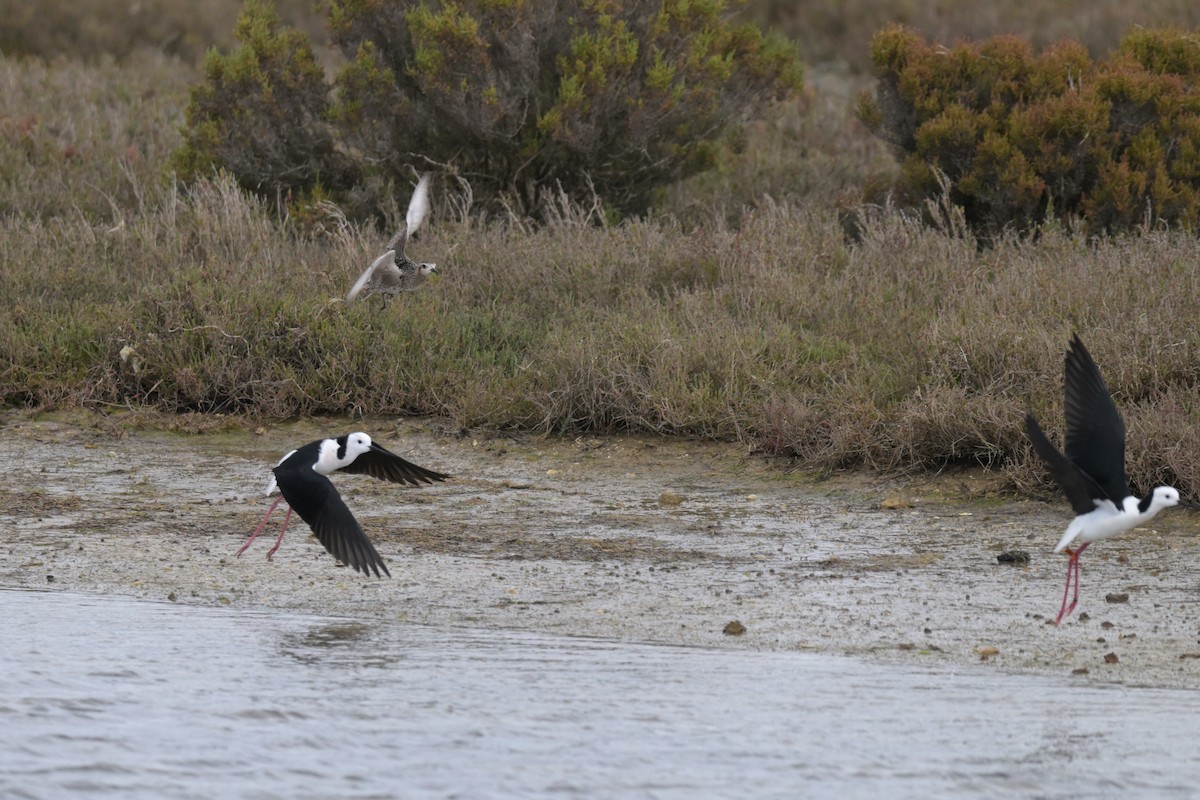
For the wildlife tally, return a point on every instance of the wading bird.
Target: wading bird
(1092, 470)
(393, 272)
(301, 479)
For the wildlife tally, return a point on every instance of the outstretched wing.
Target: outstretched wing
(418, 206)
(1080, 489)
(365, 278)
(381, 463)
(316, 500)
(1095, 437)
(397, 243)
(418, 210)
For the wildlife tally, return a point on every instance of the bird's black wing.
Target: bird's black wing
(381, 463)
(1078, 486)
(1095, 437)
(316, 500)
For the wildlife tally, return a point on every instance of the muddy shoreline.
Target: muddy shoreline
(634, 538)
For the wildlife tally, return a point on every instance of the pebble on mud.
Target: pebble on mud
(1111, 658)
(734, 628)
(1114, 597)
(1013, 557)
(669, 498)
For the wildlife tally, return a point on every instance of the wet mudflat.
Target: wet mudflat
(119, 697)
(639, 540)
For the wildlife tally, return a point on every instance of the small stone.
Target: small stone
(1013, 557)
(734, 628)
(1106, 625)
(1115, 597)
(1111, 658)
(906, 646)
(1080, 671)
(171, 597)
(49, 579)
(1083, 616)
(669, 498)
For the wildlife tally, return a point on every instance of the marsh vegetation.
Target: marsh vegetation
(738, 307)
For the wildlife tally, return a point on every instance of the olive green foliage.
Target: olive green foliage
(261, 112)
(615, 97)
(906, 349)
(1020, 137)
(840, 31)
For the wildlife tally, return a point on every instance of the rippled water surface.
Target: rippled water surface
(114, 697)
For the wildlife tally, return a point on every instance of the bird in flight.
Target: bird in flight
(393, 272)
(1091, 471)
(302, 479)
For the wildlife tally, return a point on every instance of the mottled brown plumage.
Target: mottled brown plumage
(393, 272)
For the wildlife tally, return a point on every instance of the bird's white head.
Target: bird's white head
(356, 445)
(334, 454)
(1163, 497)
(428, 269)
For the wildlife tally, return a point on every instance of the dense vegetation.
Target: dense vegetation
(737, 309)
(619, 97)
(1019, 138)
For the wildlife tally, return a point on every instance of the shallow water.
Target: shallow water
(113, 697)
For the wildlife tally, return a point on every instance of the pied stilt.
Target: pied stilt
(301, 479)
(1092, 470)
(393, 272)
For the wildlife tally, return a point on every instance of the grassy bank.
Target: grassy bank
(910, 348)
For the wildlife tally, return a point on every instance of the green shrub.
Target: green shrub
(521, 97)
(1021, 137)
(261, 112)
(840, 31)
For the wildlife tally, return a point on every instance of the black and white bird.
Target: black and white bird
(1092, 470)
(393, 272)
(301, 478)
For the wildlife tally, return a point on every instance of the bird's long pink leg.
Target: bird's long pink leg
(279, 541)
(1072, 567)
(261, 525)
(1062, 610)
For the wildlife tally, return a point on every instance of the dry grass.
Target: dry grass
(105, 29)
(741, 311)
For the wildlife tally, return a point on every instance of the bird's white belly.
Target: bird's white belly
(1102, 523)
